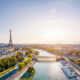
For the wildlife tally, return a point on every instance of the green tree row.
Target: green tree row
(7, 63)
(23, 64)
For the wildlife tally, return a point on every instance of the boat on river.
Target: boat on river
(78, 78)
(68, 73)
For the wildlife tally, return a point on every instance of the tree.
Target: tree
(7, 63)
(29, 59)
(20, 59)
(31, 70)
(30, 55)
(21, 65)
(30, 50)
(36, 52)
(26, 62)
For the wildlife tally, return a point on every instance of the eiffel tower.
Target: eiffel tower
(10, 41)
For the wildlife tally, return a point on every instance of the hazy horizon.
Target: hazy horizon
(40, 21)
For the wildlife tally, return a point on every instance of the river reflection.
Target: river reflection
(48, 70)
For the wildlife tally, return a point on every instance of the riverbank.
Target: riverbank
(20, 73)
(6, 72)
(29, 74)
(73, 65)
(11, 73)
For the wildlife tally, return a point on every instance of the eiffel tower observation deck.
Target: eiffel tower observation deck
(10, 41)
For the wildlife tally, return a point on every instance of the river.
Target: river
(48, 70)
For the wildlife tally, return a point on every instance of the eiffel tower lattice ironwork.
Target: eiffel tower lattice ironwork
(10, 41)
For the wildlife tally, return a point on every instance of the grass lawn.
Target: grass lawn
(76, 61)
(4, 72)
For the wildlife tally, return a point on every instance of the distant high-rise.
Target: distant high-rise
(10, 41)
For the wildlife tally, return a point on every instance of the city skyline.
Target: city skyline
(40, 21)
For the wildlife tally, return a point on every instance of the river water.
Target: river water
(48, 70)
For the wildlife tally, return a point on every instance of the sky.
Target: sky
(40, 21)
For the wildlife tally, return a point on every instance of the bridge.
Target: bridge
(46, 58)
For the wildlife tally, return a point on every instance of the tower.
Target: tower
(10, 41)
